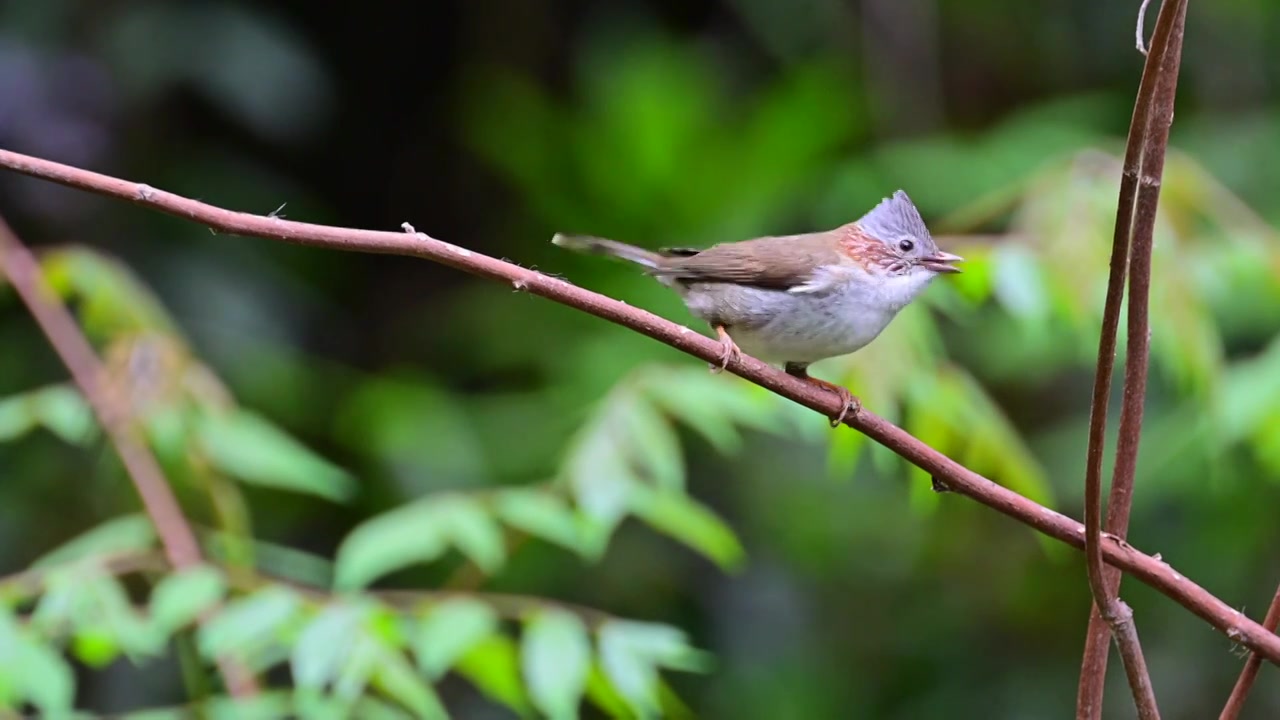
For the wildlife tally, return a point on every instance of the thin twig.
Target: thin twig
(1131, 255)
(31, 582)
(960, 479)
(512, 606)
(1249, 673)
(23, 272)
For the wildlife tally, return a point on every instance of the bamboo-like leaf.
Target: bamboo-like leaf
(390, 541)
(324, 645)
(493, 666)
(601, 482)
(653, 444)
(250, 447)
(690, 522)
(395, 678)
(541, 514)
(449, 631)
(180, 597)
(474, 532)
(32, 671)
(250, 624)
(631, 653)
(555, 659)
(117, 535)
(416, 533)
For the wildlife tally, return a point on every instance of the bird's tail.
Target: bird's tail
(612, 248)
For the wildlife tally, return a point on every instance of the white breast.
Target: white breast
(837, 314)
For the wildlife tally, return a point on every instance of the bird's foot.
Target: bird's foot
(849, 405)
(729, 350)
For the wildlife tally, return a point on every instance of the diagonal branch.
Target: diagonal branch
(23, 272)
(1249, 673)
(1131, 252)
(956, 477)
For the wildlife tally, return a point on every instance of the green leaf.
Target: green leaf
(32, 671)
(396, 678)
(540, 513)
(419, 532)
(632, 674)
(114, 300)
(117, 535)
(473, 531)
(601, 482)
(690, 522)
(89, 605)
(631, 653)
(63, 410)
(357, 668)
(449, 630)
(555, 659)
(316, 705)
(16, 419)
(605, 696)
(323, 647)
(268, 705)
(253, 449)
(250, 624)
(373, 708)
(59, 408)
(697, 404)
(493, 666)
(389, 542)
(44, 678)
(655, 448)
(167, 428)
(179, 598)
(664, 645)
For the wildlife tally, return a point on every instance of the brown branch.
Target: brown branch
(959, 479)
(23, 272)
(1249, 673)
(1131, 252)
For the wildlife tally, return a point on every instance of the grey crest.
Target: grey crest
(896, 218)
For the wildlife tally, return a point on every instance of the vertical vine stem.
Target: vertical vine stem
(1235, 703)
(21, 269)
(1131, 258)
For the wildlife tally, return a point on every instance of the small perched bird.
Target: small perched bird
(796, 299)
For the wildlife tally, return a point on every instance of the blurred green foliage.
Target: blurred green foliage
(406, 481)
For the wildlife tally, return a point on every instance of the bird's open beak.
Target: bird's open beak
(941, 262)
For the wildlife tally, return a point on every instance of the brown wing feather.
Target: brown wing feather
(777, 262)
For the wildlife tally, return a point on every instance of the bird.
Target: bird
(792, 300)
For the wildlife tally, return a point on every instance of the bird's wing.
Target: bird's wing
(776, 263)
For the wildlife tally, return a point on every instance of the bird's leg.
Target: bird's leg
(849, 403)
(728, 352)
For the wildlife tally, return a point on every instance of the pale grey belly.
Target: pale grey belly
(777, 326)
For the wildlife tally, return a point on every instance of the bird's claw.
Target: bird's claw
(849, 405)
(729, 351)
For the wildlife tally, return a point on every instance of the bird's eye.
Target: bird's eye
(906, 245)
